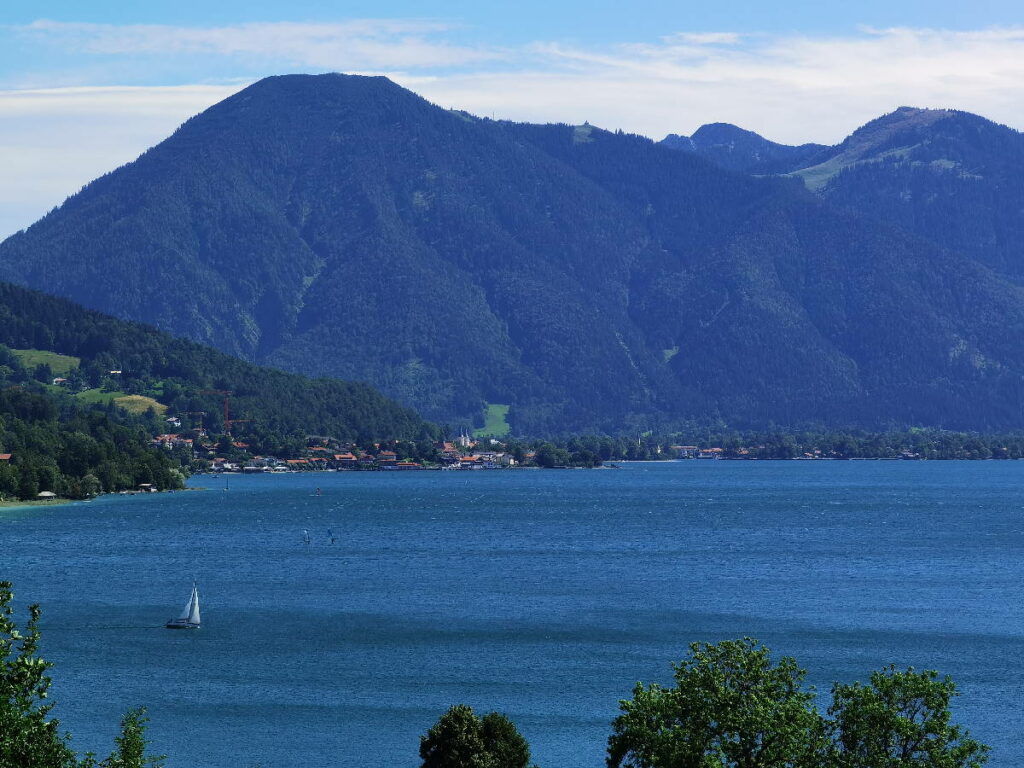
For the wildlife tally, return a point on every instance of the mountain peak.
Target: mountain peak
(718, 133)
(295, 97)
(738, 149)
(901, 119)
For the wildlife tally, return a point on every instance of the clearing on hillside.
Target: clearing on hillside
(140, 404)
(61, 365)
(131, 403)
(495, 421)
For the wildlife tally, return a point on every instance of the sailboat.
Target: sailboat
(189, 618)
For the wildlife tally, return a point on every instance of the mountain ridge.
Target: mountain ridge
(339, 225)
(945, 175)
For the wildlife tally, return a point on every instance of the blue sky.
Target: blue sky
(85, 87)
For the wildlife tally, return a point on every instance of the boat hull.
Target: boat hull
(181, 625)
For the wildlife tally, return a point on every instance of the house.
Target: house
(386, 458)
(59, 382)
(171, 441)
(345, 460)
(709, 453)
(5, 457)
(685, 451)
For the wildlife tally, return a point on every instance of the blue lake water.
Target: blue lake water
(544, 595)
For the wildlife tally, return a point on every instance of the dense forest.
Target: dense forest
(276, 409)
(592, 281)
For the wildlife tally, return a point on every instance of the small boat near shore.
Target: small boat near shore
(189, 618)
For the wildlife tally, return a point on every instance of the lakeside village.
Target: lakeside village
(463, 453)
(329, 454)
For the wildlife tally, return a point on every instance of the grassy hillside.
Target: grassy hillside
(495, 421)
(59, 365)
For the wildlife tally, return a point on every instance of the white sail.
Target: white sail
(193, 607)
(187, 610)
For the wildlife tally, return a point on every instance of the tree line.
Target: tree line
(934, 444)
(733, 706)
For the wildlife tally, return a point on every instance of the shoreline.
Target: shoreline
(4, 505)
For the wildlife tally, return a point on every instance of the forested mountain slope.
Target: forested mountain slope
(186, 377)
(343, 226)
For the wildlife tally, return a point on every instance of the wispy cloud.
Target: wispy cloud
(54, 141)
(794, 88)
(791, 88)
(364, 43)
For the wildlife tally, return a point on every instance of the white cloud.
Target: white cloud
(53, 142)
(794, 89)
(705, 38)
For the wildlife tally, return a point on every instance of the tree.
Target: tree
(549, 455)
(504, 742)
(91, 486)
(900, 720)
(455, 741)
(132, 743)
(27, 736)
(460, 739)
(731, 707)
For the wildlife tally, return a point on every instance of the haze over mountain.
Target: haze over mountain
(341, 225)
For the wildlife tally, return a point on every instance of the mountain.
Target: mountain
(950, 177)
(164, 371)
(739, 150)
(341, 225)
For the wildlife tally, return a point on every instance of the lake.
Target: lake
(541, 594)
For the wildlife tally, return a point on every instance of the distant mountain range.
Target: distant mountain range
(341, 225)
(952, 178)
